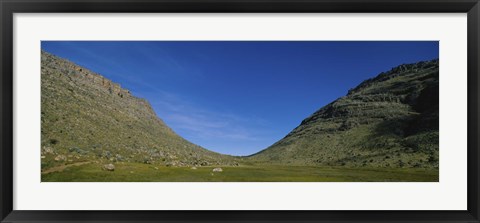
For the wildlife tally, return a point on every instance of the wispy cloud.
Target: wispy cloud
(199, 122)
(167, 64)
(155, 61)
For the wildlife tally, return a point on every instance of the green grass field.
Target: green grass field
(134, 172)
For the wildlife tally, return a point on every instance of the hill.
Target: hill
(88, 118)
(391, 120)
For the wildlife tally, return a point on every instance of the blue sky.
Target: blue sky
(239, 97)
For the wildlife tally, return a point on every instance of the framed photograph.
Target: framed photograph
(239, 111)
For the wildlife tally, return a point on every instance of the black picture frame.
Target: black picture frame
(9, 7)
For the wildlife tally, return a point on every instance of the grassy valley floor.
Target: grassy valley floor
(135, 172)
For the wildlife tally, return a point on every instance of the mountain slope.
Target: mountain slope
(86, 117)
(387, 121)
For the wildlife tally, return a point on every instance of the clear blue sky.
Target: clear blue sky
(239, 97)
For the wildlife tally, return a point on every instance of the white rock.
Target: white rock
(60, 158)
(218, 169)
(109, 167)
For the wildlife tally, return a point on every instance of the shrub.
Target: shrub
(53, 141)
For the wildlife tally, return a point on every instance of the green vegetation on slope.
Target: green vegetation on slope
(87, 117)
(387, 121)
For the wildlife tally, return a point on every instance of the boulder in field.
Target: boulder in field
(60, 158)
(109, 167)
(218, 169)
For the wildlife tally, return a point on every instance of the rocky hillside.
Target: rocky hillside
(86, 117)
(387, 121)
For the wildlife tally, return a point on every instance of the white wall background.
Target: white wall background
(448, 194)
